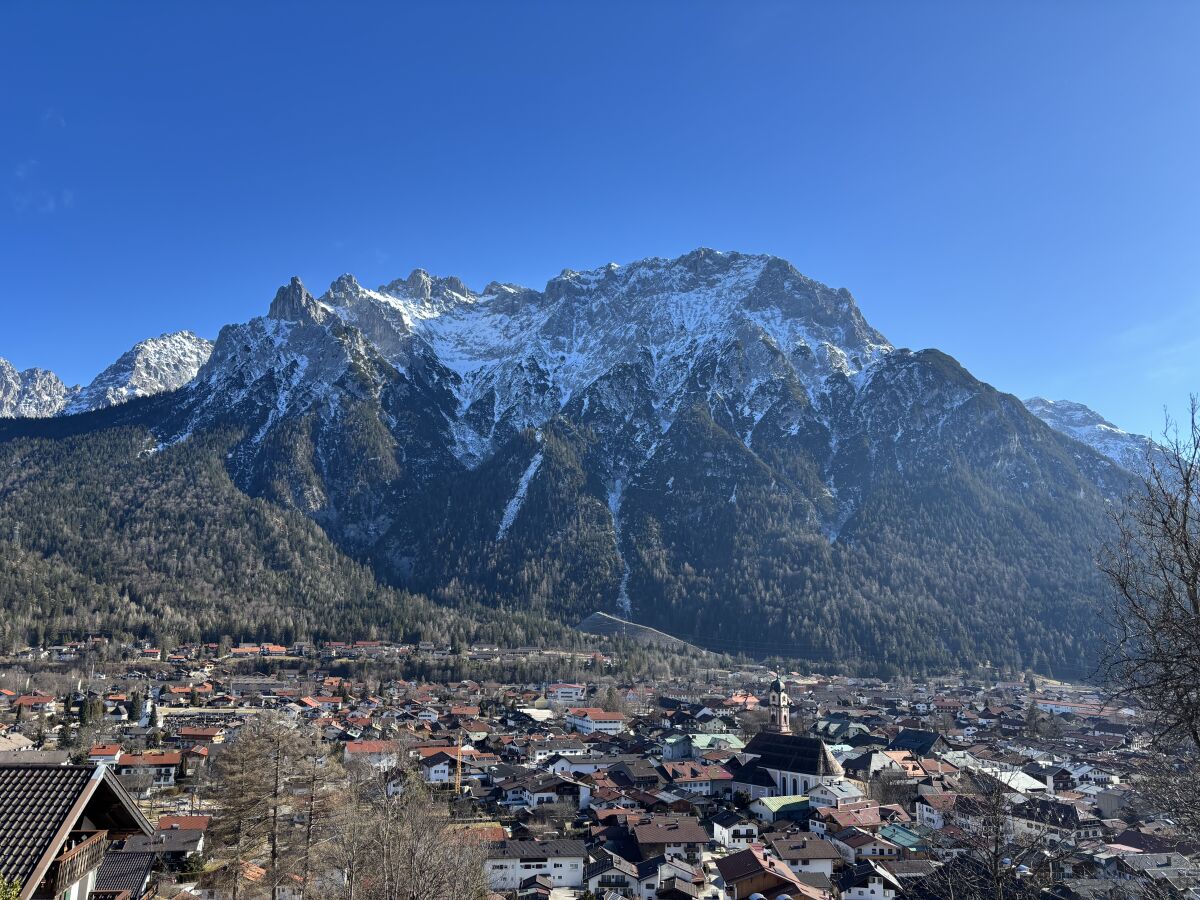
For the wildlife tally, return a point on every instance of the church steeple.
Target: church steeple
(779, 707)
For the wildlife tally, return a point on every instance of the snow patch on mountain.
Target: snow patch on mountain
(518, 498)
(1130, 451)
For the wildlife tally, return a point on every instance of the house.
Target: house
(869, 881)
(932, 809)
(509, 863)
(439, 768)
(190, 735)
(611, 872)
(589, 720)
(1040, 815)
(56, 823)
(751, 871)
(107, 754)
(830, 820)
(774, 809)
(921, 744)
(704, 743)
(173, 845)
(36, 703)
(808, 854)
(158, 766)
(837, 794)
(857, 844)
(733, 831)
(566, 693)
(670, 836)
(698, 777)
(376, 754)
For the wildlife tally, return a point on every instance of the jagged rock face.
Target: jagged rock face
(152, 366)
(619, 350)
(1130, 451)
(33, 393)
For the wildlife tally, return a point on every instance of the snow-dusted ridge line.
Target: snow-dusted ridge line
(1128, 450)
(516, 356)
(152, 366)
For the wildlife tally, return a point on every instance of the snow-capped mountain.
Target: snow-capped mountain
(1130, 451)
(33, 393)
(714, 445)
(152, 366)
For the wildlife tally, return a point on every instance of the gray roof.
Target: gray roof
(124, 872)
(167, 840)
(535, 849)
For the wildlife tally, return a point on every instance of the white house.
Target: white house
(589, 720)
(511, 862)
(377, 754)
(732, 831)
(808, 854)
(439, 768)
(836, 794)
(566, 693)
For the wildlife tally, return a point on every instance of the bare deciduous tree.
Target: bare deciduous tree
(250, 787)
(1154, 658)
(403, 846)
(1154, 566)
(985, 856)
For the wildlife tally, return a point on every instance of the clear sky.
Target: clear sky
(1017, 184)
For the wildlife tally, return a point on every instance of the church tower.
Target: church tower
(780, 709)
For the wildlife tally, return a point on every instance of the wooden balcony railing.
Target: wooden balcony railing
(82, 853)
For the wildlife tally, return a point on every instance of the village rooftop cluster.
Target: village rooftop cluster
(725, 785)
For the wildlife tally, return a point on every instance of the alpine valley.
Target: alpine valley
(715, 446)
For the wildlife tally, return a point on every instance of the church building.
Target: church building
(779, 763)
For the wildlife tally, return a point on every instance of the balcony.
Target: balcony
(81, 854)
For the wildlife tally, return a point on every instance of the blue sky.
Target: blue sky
(1017, 184)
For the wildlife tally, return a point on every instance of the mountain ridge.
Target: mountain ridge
(151, 366)
(1128, 450)
(711, 445)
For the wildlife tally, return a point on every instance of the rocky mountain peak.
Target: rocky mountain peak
(1130, 451)
(32, 393)
(293, 303)
(152, 366)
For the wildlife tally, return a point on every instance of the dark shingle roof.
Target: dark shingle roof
(920, 743)
(124, 872)
(170, 840)
(34, 804)
(535, 849)
(793, 753)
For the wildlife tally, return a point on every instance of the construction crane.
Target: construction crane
(458, 768)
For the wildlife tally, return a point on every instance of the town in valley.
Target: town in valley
(698, 777)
